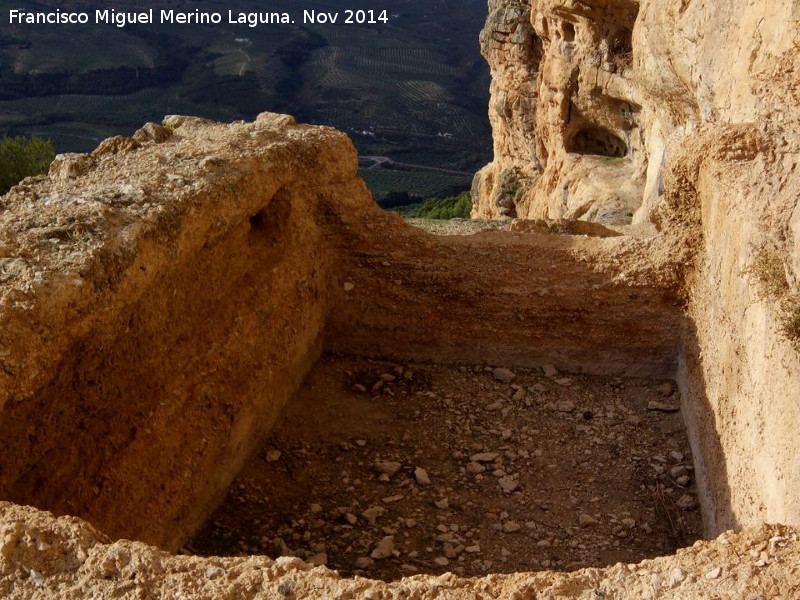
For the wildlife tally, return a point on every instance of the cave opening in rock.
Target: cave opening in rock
(597, 141)
(569, 32)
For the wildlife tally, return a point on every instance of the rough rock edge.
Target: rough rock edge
(65, 558)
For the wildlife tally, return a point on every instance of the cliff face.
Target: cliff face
(565, 112)
(683, 114)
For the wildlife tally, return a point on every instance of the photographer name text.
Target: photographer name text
(196, 17)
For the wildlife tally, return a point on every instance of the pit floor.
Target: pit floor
(575, 471)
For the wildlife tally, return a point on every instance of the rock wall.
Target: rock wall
(163, 298)
(682, 114)
(563, 90)
(160, 303)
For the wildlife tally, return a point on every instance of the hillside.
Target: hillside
(413, 89)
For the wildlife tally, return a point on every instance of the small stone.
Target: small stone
(676, 576)
(586, 520)
(564, 381)
(273, 455)
(316, 508)
(421, 476)
(364, 562)
(391, 499)
(384, 548)
(677, 456)
(565, 406)
(678, 471)
(386, 467)
(441, 561)
(359, 388)
(361, 443)
(349, 286)
(475, 468)
(504, 375)
(714, 573)
(484, 457)
(508, 484)
(686, 502)
(351, 518)
(475, 549)
(511, 527)
(662, 406)
(494, 406)
(450, 551)
(444, 503)
(519, 395)
(666, 389)
(373, 513)
(549, 370)
(683, 480)
(319, 559)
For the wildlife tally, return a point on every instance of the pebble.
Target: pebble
(384, 548)
(565, 406)
(319, 559)
(662, 406)
(441, 561)
(666, 389)
(348, 286)
(676, 576)
(475, 549)
(475, 468)
(421, 476)
(504, 375)
(714, 573)
(484, 457)
(686, 502)
(444, 503)
(364, 562)
(585, 520)
(508, 484)
(387, 467)
(373, 513)
(511, 527)
(677, 456)
(678, 471)
(273, 455)
(549, 370)
(391, 499)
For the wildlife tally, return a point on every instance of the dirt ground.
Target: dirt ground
(386, 470)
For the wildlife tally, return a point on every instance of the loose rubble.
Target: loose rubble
(465, 469)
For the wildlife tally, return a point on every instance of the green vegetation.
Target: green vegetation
(790, 318)
(23, 157)
(441, 208)
(385, 185)
(767, 268)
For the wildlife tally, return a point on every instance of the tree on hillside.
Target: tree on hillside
(23, 157)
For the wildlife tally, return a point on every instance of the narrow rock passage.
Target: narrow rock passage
(386, 470)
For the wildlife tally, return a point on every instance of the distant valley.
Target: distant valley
(411, 93)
